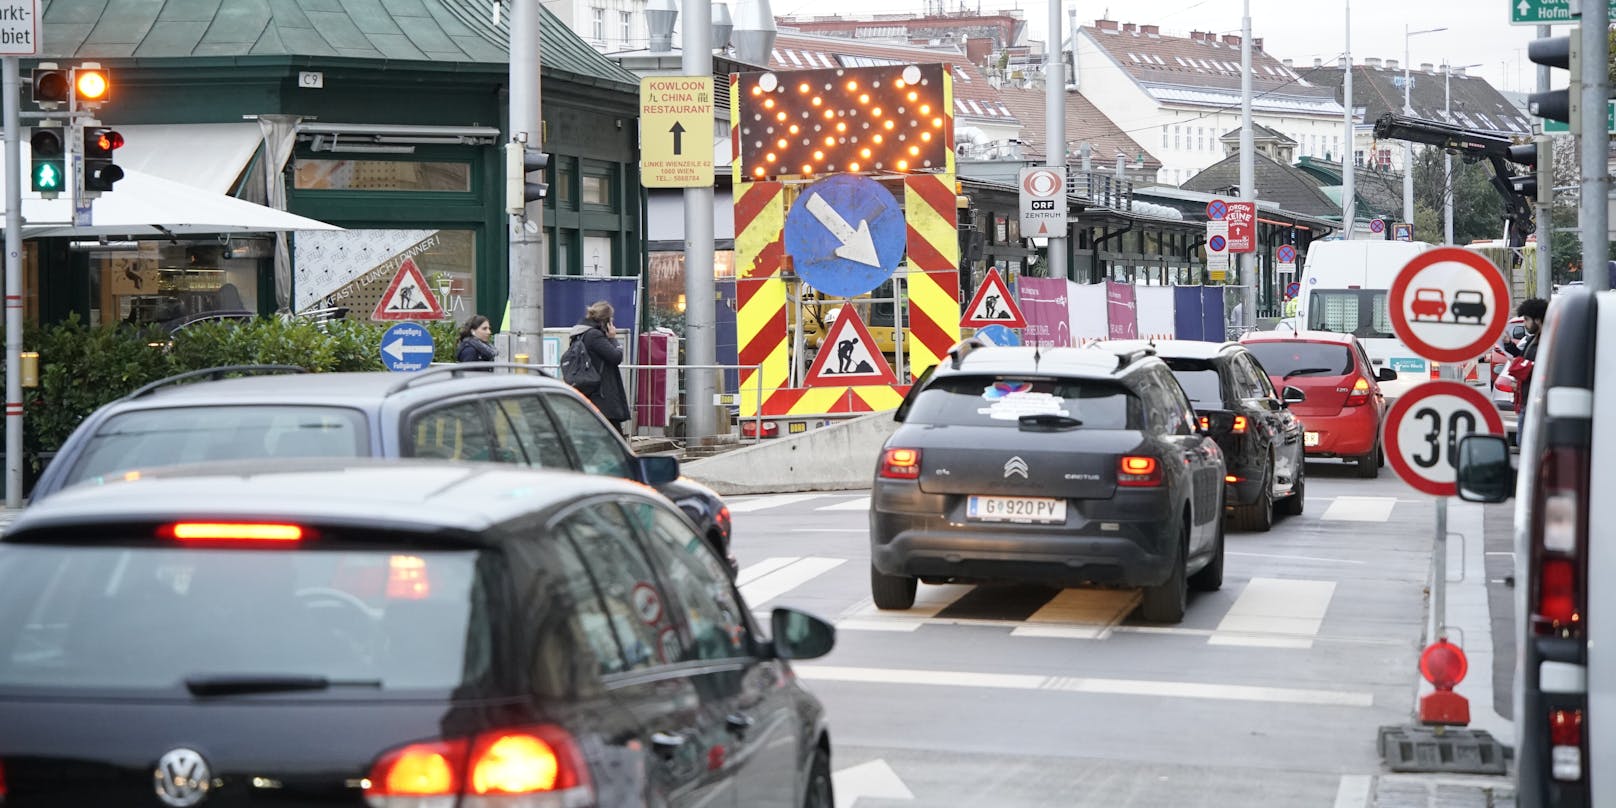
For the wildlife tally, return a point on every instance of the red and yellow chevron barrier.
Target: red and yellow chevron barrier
(760, 292)
(834, 400)
(934, 305)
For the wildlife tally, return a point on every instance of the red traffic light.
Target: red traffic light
(108, 140)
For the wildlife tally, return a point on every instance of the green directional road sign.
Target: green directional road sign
(1558, 128)
(1545, 12)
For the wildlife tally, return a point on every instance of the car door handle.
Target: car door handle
(666, 743)
(739, 723)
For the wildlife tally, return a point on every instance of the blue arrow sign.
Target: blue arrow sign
(407, 347)
(998, 335)
(845, 235)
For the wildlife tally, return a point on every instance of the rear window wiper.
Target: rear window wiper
(237, 684)
(1048, 422)
(1305, 372)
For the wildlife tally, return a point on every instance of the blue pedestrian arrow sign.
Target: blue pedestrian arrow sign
(407, 347)
(845, 235)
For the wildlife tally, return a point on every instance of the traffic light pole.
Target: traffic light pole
(526, 273)
(701, 329)
(12, 98)
(1545, 190)
(1594, 145)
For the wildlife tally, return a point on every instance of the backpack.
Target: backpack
(578, 370)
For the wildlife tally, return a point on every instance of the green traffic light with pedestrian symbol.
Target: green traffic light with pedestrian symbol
(47, 173)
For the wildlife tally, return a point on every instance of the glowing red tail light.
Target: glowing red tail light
(1240, 424)
(506, 764)
(1559, 542)
(900, 464)
(1565, 745)
(1360, 393)
(723, 519)
(1557, 594)
(1138, 471)
(267, 532)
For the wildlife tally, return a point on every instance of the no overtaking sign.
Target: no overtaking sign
(1449, 304)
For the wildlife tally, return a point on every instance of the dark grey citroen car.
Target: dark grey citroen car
(1060, 466)
(454, 412)
(393, 634)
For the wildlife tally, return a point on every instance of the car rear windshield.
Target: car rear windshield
(171, 437)
(1302, 358)
(1359, 312)
(128, 618)
(1002, 400)
(1199, 379)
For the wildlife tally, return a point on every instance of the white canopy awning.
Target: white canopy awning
(210, 156)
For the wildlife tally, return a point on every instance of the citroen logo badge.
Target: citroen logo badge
(182, 778)
(1015, 465)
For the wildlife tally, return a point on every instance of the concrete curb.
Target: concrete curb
(832, 458)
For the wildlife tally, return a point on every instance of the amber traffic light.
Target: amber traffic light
(91, 85)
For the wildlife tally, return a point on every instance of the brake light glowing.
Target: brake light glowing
(1557, 594)
(1138, 471)
(1230, 478)
(724, 519)
(420, 770)
(514, 764)
(407, 578)
(900, 464)
(1360, 393)
(1565, 739)
(493, 766)
(1240, 424)
(233, 531)
(1559, 543)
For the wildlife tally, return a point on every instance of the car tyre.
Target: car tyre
(1259, 515)
(1167, 601)
(892, 592)
(820, 793)
(1293, 504)
(1369, 464)
(1210, 578)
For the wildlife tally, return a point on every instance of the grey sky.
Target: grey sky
(1478, 32)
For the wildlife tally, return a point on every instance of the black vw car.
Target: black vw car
(453, 412)
(395, 634)
(1262, 440)
(1060, 466)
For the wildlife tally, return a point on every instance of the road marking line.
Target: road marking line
(749, 504)
(854, 504)
(1360, 509)
(753, 572)
(929, 600)
(1274, 613)
(771, 585)
(1080, 614)
(829, 530)
(1069, 684)
(1353, 791)
(1294, 557)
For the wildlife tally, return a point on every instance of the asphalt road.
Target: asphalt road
(1269, 693)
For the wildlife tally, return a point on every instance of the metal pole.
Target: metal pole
(1447, 159)
(1545, 190)
(1408, 147)
(1595, 146)
(701, 338)
(1349, 191)
(13, 99)
(1439, 563)
(1055, 117)
(1248, 183)
(526, 271)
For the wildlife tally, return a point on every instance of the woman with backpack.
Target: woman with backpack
(597, 340)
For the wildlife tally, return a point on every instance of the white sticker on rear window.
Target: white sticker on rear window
(1011, 400)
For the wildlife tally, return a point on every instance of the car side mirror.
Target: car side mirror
(659, 469)
(1485, 473)
(1292, 395)
(1385, 375)
(799, 635)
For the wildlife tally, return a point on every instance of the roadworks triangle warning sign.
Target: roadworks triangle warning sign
(848, 356)
(993, 305)
(408, 297)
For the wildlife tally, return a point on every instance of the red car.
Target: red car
(1344, 409)
(1429, 304)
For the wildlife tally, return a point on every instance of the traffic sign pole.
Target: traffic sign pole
(701, 328)
(1055, 120)
(1594, 143)
(13, 101)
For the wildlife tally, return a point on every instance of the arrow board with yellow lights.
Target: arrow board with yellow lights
(848, 356)
(845, 235)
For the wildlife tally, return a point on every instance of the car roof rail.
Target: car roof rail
(1126, 358)
(214, 374)
(454, 371)
(959, 350)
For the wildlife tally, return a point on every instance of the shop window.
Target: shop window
(665, 288)
(381, 175)
(170, 284)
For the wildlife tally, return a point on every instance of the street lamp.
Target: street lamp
(1408, 109)
(1447, 159)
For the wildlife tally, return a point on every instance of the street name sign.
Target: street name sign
(19, 28)
(1448, 304)
(1424, 427)
(407, 347)
(1553, 127)
(676, 131)
(845, 235)
(1043, 201)
(1547, 12)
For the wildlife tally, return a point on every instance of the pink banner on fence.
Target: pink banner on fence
(1043, 303)
(1120, 310)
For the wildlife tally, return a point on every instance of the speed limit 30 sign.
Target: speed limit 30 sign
(1423, 431)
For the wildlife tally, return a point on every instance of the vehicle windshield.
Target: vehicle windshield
(1000, 401)
(180, 435)
(1359, 312)
(1283, 358)
(154, 618)
(1199, 380)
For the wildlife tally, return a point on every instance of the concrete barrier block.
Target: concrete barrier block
(833, 458)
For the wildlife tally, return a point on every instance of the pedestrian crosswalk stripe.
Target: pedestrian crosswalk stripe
(855, 504)
(929, 600)
(1084, 614)
(1360, 509)
(785, 577)
(749, 504)
(1275, 613)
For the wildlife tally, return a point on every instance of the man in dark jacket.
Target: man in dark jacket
(600, 338)
(1532, 310)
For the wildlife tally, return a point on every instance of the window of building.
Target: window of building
(168, 284)
(599, 16)
(626, 21)
(595, 189)
(381, 175)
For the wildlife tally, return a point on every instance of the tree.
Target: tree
(1478, 210)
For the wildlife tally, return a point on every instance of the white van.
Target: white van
(1565, 561)
(1344, 289)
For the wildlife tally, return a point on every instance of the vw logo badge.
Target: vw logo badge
(182, 778)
